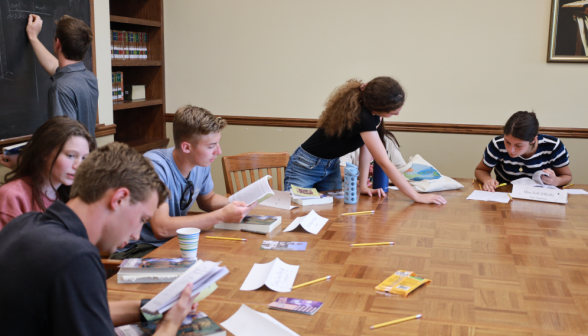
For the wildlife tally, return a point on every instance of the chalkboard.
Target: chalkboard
(23, 81)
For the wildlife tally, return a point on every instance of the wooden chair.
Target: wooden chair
(251, 162)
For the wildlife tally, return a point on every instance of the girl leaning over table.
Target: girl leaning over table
(352, 119)
(521, 152)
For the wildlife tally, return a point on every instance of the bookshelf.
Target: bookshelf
(141, 123)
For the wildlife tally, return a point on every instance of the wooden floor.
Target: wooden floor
(496, 269)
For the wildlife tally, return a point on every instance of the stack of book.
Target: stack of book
(262, 224)
(308, 196)
(126, 45)
(117, 86)
(148, 270)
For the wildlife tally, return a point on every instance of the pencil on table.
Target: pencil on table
(226, 238)
(373, 244)
(396, 321)
(569, 185)
(358, 213)
(312, 282)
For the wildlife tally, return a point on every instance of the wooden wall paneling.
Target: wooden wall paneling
(560, 132)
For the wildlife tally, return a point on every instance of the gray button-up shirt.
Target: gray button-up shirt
(74, 93)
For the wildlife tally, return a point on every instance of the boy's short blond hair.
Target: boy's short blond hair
(190, 122)
(114, 166)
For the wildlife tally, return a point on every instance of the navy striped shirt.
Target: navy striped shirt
(551, 153)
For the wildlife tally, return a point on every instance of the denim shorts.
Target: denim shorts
(308, 171)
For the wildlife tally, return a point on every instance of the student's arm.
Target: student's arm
(365, 157)
(376, 148)
(164, 226)
(124, 312)
(9, 161)
(48, 61)
(482, 173)
(558, 176)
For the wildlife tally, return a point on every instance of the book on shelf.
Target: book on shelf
(152, 270)
(117, 85)
(128, 45)
(199, 324)
(134, 92)
(307, 307)
(264, 224)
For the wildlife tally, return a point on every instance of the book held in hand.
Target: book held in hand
(199, 325)
(257, 191)
(264, 224)
(152, 270)
(307, 307)
(201, 275)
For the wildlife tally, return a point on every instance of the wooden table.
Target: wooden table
(497, 269)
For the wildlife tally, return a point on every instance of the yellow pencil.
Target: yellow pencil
(473, 180)
(569, 185)
(501, 185)
(480, 186)
(312, 282)
(509, 197)
(396, 321)
(358, 213)
(226, 238)
(373, 244)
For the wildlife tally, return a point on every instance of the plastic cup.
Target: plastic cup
(188, 239)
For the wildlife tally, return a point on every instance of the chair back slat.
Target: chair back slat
(252, 161)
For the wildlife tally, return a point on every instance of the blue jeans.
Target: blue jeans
(308, 171)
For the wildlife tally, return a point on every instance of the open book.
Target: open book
(533, 182)
(259, 191)
(201, 275)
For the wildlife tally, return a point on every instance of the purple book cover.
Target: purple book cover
(308, 307)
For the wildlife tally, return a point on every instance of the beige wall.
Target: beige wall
(460, 61)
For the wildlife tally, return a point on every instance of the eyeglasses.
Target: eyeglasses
(183, 202)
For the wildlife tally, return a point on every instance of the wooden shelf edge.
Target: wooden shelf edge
(129, 104)
(130, 20)
(143, 146)
(128, 63)
(104, 130)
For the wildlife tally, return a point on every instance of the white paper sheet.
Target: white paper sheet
(280, 200)
(276, 275)
(248, 322)
(479, 195)
(312, 223)
(576, 191)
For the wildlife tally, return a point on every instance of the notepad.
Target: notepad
(201, 275)
(479, 195)
(276, 275)
(257, 191)
(312, 223)
(248, 322)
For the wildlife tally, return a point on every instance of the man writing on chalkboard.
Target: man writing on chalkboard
(74, 92)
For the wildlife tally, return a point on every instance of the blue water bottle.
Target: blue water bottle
(350, 183)
(380, 179)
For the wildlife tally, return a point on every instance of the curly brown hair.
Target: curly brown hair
(343, 107)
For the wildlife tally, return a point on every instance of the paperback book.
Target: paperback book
(264, 224)
(152, 270)
(199, 325)
(307, 307)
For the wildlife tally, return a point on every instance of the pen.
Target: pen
(226, 238)
(311, 282)
(358, 213)
(569, 185)
(373, 244)
(256, 232)
(396, 321)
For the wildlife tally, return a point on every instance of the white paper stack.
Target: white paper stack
(312, 223)
(201, 275)
(479, 195)
(248, 322)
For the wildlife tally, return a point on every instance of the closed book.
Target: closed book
(200, 325)
(307, 307)
(152, 270)
(264, 224)
(134, 92)
(314, 201)
(14, 149)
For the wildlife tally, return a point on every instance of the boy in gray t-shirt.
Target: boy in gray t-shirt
(185, 170)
